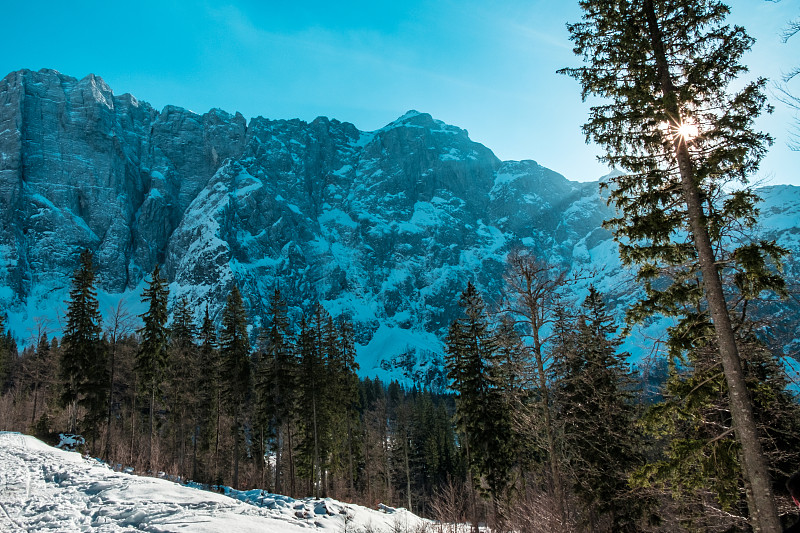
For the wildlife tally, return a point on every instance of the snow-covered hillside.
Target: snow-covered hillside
(47, 489)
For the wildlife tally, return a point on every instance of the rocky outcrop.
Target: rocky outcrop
(83, 168)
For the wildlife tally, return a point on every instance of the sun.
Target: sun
(687, 131)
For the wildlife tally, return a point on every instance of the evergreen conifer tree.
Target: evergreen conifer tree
(235, 369)
(182, 330)
(482, 413)
(208, 389)
(330, 441)
(82, 364)
(152, 357)
(313, 400)
(401, 447)
(40, 372)
(513, 380)
(692, 425)
(261, 419)
(594, 399)
(277, 383)
(344, 400)
(183, 363)
(684, 136)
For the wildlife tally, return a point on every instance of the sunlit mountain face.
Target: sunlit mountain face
(384, 227)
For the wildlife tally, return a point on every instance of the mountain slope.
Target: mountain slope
(386, 227)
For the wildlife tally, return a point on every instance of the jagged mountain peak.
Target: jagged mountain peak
(385, 227)
(97, 82)
(416, 119)
(411, 113)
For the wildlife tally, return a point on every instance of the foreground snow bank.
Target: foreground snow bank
(43, 488)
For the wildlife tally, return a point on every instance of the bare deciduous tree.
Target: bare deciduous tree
(119, 324)
(534, 291)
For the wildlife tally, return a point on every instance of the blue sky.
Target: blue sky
(486, 66)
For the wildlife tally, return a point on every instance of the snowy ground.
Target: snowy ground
(46, 489)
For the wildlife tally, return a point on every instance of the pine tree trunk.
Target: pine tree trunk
(315, 464)
(472, 500)
(73, 416)
(368, 472)
(216, 440)
(236, 453)
(498, 522)
(182, 426)
(408, 475)
(262, 463)
(351, 469)
(150, 445)
(388, 474)
(762, 502)
(110, 401)
(278, 453)
(292, 487)
(133, 421)
(385, 450)
(194, 451)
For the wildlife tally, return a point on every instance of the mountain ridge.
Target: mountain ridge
(385, 226)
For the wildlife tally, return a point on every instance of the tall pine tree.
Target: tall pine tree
(344, 400)
(209, 398)
(482, 414)
(594, 400)
(183, 363)
(313, 400)
(152, 357)
(684, 136)
(83, 368)
(276, 387)
(235, 370)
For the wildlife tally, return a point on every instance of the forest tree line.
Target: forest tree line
(545, 427)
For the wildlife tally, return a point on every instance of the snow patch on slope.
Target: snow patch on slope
(49, 489)
(394, 351)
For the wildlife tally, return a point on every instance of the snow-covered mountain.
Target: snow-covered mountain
(45, 488)
(385, 226)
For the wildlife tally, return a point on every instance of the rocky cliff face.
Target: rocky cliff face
(82, 168)
(385, 226)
